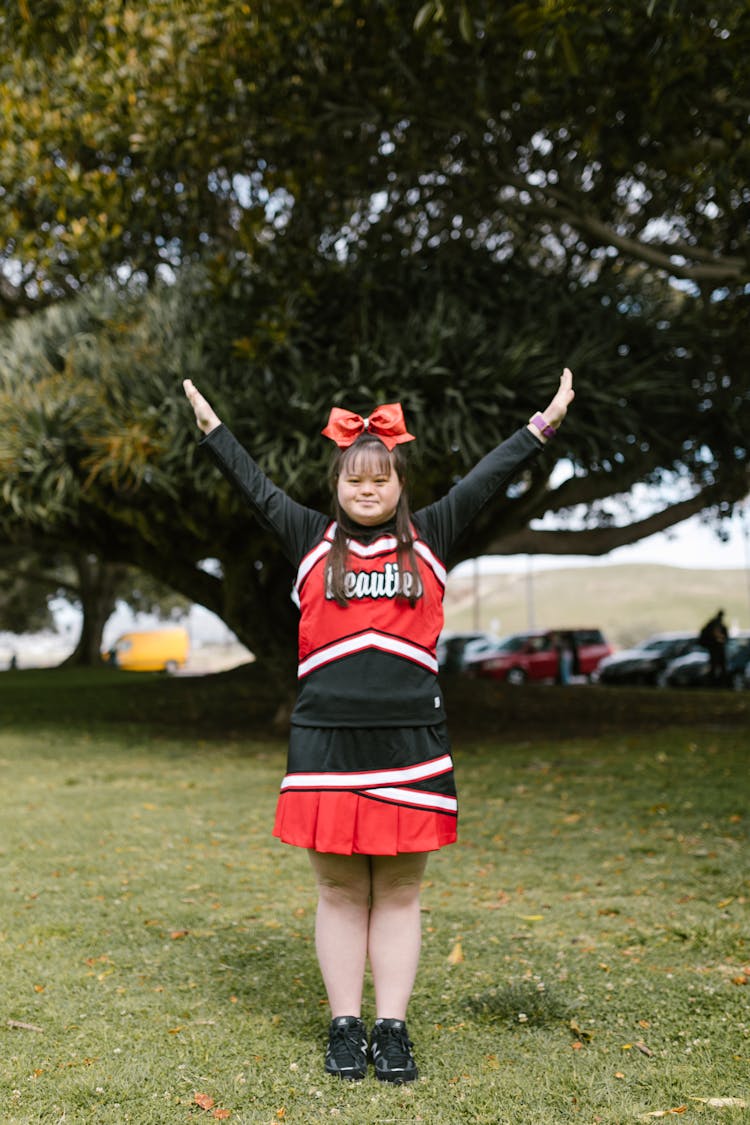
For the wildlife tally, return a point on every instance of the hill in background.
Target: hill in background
(627, 602)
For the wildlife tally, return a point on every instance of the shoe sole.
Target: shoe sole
(397, 1079)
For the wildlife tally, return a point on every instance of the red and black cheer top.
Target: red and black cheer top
(376, 655)
(370, 664)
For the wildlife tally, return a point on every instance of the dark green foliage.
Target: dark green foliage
(347, 203)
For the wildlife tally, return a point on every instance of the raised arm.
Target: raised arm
(552, 417)
(446, 520)
(296, 526)
(205, 415)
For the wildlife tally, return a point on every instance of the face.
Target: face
(368, 493)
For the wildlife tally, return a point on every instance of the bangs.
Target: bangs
(368, 457)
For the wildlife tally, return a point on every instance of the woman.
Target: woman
(369, 787)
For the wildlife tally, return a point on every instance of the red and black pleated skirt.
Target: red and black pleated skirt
(368, 791)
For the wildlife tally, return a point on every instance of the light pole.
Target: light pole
(476, 577)
(530, 615)
(746, 536)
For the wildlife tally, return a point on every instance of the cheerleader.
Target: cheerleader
(369, 789)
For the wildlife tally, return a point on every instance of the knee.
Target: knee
(338, 890)
(397, 888)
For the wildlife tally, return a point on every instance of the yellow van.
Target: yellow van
(150, 650)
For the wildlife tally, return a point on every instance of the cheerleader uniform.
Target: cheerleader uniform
(369, 767)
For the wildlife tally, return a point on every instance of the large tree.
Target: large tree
(96, 441)
(136, 135)
(23, 599)
(443, 205)
(32, 580)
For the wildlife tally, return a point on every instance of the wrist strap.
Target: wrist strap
(540, 423)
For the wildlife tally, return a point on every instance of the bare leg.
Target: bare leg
(395, 933)
(341, 926)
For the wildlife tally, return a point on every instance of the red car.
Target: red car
(536, 655)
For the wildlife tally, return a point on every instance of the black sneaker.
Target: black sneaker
(346, 1053)
(390, 1047)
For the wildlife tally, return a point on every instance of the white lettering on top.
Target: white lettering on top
(385, 583)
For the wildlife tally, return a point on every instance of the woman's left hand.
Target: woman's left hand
(558, 408)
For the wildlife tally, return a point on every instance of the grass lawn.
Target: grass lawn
(586, 948)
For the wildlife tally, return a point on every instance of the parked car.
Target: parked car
(150, 650)
(451, 649)
(738, 660)
(693, 669)
(535, 655)
(644, 664)
(479, 650)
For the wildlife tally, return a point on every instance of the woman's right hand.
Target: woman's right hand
(205, 416)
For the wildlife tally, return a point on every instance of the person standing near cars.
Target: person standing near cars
(713, 637)
(369, 787)
(566, 658)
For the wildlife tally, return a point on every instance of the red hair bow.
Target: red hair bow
(386, 422)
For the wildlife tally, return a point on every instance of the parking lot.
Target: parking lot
(569, 655)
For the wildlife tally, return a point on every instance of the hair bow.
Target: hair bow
(386, 422)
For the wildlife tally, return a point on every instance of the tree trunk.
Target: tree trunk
(97, 583)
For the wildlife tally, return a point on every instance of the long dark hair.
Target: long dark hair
(369, 454)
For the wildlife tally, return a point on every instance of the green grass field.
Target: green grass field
(586, 944)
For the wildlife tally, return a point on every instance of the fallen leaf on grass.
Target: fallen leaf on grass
(456, 955)
(18, 1025)
(722, 1103)
(176, 934)
(205, 1101)
(579, 1032)
(662, 1113)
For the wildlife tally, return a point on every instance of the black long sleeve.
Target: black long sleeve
(296, 526)
(443, 522)
(375, 685)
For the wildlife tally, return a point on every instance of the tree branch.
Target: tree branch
(714, 268)
(720, 269)
(597, 541)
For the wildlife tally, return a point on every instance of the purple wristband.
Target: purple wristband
(540, 423)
